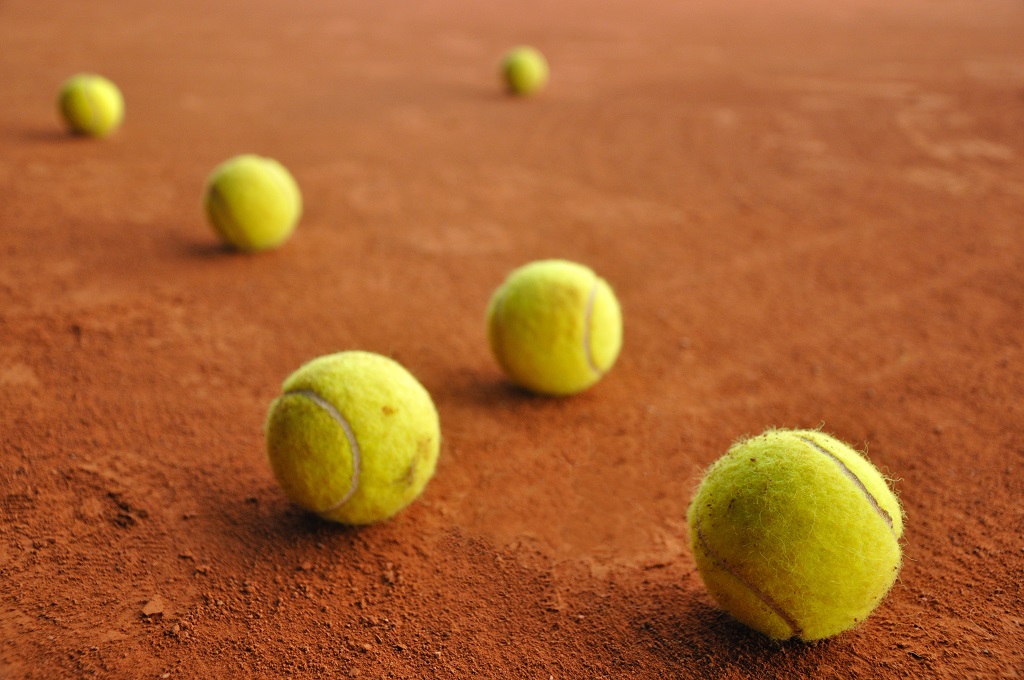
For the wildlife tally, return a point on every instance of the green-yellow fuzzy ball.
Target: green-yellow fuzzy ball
(253, 203)
(354, 437)
(91, 105)
(796, 534)
(524, 70)
(555, 327)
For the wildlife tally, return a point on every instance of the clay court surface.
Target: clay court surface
(812, 213)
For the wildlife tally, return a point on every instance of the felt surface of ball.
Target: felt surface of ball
(555, 327)
(524, 70)
(91, 105)
(354, 437)
(796, 534)
(252, 202)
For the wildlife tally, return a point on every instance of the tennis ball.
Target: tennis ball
(91, 105)
(796, 534)
(253, 203)
(354, 437)
(524, 70)
(555, 327)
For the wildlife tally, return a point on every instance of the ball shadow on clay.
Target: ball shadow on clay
(211, 249)
(53, 136)
(273, 519)
(687, 629)
(207, 250)
(497, 391)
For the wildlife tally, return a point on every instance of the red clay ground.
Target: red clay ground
(811, 215)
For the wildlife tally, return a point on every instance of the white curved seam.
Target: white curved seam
(758, 593)
(586, 330)
(357, 457)
(856, 480)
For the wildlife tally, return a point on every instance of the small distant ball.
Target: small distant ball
(354, 437)
(555, 327)
(796, 534)
(252, 202)
(91, 105)
(524, 70)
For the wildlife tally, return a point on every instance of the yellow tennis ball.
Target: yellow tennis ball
(253, 203)
(796, 534)
(524, 70)
(91, 105)
(354, 437)
(555, 327)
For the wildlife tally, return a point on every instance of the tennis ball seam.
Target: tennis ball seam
(221, 205)
(89, 97)
(768, 601)
(587, 323)
(353, 443)
(856, 480)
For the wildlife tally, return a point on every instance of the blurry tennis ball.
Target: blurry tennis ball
(253, 203)
(555, 327)
(91, 105)
(796, 534)
(354, 437)
(524, 70)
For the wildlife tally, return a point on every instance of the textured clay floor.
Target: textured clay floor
(813, 215)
